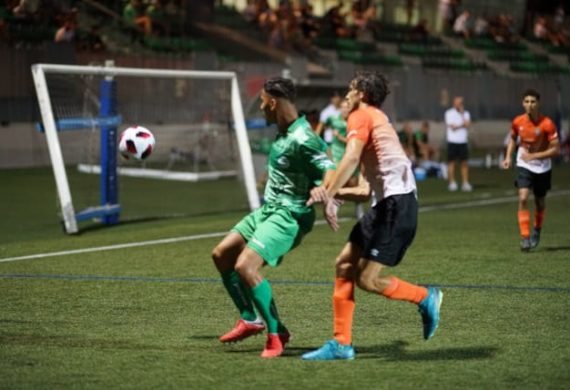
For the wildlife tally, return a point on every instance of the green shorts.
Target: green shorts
(272, 231)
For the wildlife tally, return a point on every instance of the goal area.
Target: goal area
(201, 163)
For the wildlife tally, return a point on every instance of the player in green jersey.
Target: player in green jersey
(338, 146)
(297, 163)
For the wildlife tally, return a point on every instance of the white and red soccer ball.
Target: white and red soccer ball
(136, 142)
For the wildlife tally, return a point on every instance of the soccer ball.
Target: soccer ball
(136, 142)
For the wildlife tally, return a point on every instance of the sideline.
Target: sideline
(425, 209)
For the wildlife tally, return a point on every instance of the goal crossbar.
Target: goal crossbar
(50, 127)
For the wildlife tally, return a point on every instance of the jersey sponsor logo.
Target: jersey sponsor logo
(283, 162)
(374, 252)
(521, 128)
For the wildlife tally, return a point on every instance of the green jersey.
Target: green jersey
(337, 123)
(297, 163)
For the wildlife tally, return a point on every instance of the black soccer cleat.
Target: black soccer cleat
(535, 238)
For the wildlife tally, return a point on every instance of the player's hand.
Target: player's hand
(318, 195)
(506, 163)
(331, 210)
(526, 156)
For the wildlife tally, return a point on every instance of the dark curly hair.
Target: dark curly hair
(373, 84)
(280, 87)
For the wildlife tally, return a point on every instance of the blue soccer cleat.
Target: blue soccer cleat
(332, 350)
(429, 309)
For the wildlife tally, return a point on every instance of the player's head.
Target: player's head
(370, 87)
(530, 101)
(344, 108)
(336, 99)
(277, 95)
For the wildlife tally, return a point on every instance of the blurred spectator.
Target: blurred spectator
(66, 33)
(458, 122)
(481, 27)
(461, 26)
(424, 151)
(158, 19)
(406, 136)
(420, 31)
(334, 23)
(447, 13)
(134, 15)
(27, 8)
(308, 23)
(539, 30)
(93, 40)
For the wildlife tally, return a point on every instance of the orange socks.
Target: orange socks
(404, 291)
(538, 218)
(343, 310)
(524, 223)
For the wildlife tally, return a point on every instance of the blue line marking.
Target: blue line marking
(92, 278)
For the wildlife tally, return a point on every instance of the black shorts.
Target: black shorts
(388, 229)
(539, 182)
(457, 152)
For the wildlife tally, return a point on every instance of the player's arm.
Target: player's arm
(346, 167)
(553, 150)
(320, 128)
(510, 149)
(359, 193)
(340, 137)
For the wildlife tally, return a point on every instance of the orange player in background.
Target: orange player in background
(538, 144)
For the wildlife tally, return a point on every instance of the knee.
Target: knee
(244, 268)
(217, 254)
(366, 282)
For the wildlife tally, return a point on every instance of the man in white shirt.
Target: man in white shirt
(458, 121)
(332, 110)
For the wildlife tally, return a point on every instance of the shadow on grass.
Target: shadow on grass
(557, 248)
(396, 351)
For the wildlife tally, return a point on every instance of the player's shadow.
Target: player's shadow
(556, 248)
(396, 351)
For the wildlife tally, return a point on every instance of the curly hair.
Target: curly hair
(280, 87)
(373, 84)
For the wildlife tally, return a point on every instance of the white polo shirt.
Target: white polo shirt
(326, 113)
(456, 118)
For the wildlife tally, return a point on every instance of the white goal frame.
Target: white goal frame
(40, 70)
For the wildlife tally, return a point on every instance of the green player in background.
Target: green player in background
(338, 146)
(297, 163)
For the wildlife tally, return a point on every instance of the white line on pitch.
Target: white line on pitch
(475, 203)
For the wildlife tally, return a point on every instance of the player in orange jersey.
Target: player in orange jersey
(381, 237)
(538, 143)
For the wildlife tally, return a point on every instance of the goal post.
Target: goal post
(107, 123)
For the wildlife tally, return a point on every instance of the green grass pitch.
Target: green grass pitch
(149, 316)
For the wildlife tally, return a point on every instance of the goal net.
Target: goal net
(201, 163)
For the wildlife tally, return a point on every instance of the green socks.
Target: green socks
(265, 305)
(240, 295)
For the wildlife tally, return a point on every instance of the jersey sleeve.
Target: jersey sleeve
(514, 129)
(316, 159)
(551, 131)
(359, 126)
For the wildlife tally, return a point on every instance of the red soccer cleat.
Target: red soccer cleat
(273, 347)
(242, 330)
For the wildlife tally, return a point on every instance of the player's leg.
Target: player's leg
(394, 230)
(340, 348)
(225, 255)
(541, 185)
(523, 216)
(274, 236)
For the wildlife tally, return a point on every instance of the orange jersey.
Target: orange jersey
(534, 136)
(383, 160)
